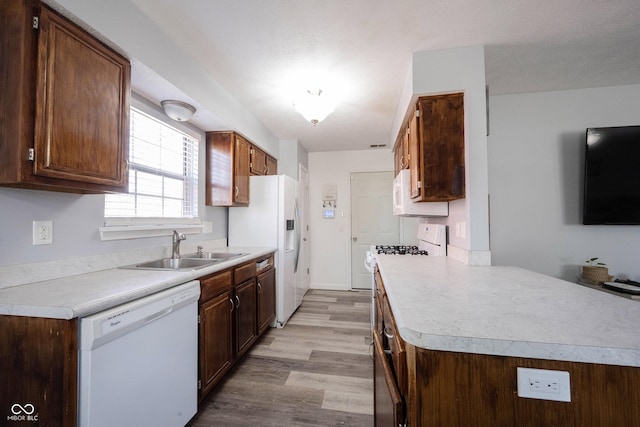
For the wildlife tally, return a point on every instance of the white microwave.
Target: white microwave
(403, 206)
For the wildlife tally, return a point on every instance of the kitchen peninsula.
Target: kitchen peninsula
(466, 330)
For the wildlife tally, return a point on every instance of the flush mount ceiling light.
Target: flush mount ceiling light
(314, 105)
(178, 110)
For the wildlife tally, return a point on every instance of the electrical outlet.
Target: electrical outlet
(544, 384)
(42, 232)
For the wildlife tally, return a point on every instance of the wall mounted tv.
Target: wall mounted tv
(612, 176)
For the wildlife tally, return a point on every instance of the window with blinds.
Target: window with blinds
(163, 173)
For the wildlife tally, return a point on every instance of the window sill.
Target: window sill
(144, 231)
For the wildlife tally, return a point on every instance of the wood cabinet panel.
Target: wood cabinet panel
(215, 338)
(455, 389)
(242, 171)
(245, 315)
(82, 113)
(388, 405)
(215, 284)
(39, 366)
(266, 299)
(396, 345)
(244, 272)
(272, 166)
(262, 163)
(68, 96)
(258, 162)
(227, 169)
(440, 132)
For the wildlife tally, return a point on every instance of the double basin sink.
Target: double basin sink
(192, 261)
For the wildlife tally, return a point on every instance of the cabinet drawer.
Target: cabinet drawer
(215, 284)
(244, 272)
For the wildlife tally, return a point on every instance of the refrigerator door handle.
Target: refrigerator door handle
(296, 213)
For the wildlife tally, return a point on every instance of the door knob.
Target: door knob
(355, 239)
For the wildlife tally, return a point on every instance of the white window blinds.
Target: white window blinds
(163, 173)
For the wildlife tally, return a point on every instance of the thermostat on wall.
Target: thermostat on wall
(328, 213)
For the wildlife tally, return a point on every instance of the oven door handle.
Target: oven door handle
(367, 260)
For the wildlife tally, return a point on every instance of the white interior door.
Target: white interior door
(303, 205)
(372, 220)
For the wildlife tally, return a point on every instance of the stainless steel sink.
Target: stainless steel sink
(219, 256)
(173, 264)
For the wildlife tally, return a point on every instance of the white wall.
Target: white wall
(536, 155)
(330, 240)
(458, 70)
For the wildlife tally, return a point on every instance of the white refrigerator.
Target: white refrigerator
(272, 219)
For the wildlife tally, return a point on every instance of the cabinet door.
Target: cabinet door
(388, 407)
(441, 158)
(82, 107)
(241, 171)
(245, 315)
(414, 145)
(215, 340)
(266, 299)
(39, 366)
(258, 161)
(272, 166)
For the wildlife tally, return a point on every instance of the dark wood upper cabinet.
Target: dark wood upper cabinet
(262, 163)
(231, 159)
(272, 166)
(227, 172)
(436, 148)
(67, 96)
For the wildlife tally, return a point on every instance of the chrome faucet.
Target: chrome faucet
(177, 237)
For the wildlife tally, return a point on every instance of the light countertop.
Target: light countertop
(85, 294)
(442, 304)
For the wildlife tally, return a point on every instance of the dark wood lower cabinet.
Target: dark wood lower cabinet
(38, 371)
(388, 401)
(215, 339)
(266, 299)
(246, 332)
(462, 389)
(232, 304)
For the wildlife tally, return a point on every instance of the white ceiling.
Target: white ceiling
(361, 49)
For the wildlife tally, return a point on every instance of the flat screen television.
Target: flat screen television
(612, 176)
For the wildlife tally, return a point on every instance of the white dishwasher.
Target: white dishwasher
(138, 361)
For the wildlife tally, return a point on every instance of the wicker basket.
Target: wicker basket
(595, 274)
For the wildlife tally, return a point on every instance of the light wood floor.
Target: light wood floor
(316, 371)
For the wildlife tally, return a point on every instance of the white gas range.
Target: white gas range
(432, 240)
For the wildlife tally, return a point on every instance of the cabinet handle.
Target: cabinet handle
(266, 170)
(259, 288)
(235, 193)
(387, 352)
(233, 305)
(388, 334)
(238, 301)
(402, 162)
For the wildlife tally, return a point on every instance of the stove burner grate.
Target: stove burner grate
(400, 250)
